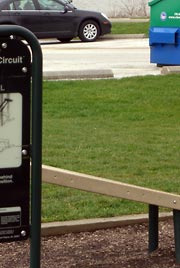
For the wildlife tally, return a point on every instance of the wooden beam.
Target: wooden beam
(109, 187)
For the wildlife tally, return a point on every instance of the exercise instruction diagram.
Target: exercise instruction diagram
(10, 130)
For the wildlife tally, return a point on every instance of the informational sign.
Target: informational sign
(15, 74)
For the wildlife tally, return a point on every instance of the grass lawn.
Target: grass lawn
(130, 28)
(126, 130)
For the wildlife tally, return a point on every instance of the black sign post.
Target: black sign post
(20, 140)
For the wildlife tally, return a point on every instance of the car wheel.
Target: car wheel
(65, 40)
(89, 31)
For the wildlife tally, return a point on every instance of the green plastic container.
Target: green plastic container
(165, 13)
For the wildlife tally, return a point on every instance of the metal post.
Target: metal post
(8, 30)
(36, 158)
(176, 217)
(153, 227)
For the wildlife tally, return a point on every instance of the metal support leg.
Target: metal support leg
(153, 227)
(176, 217)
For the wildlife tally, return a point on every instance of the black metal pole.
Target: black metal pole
(36, 159)
(153, 227)
(176, 217)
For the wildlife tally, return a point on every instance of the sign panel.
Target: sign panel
(11, 130)
(15, 74)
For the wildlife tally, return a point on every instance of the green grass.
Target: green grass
(130, 28)
(126, 130)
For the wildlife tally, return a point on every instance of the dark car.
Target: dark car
(54, 19)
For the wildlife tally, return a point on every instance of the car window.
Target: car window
(51, 5)
(21, 5)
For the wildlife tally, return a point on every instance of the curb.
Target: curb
(122, 36)
(134, 20)
(78, 74)
(89, 225)
(170, 70)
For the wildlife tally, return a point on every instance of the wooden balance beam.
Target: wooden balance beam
(117, 189)
(109, 187)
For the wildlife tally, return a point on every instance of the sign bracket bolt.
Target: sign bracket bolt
(23, 233)
(24, 69)
(4, 45)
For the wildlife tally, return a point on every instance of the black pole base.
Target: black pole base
(153, 227)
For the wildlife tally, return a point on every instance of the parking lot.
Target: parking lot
(124, 57)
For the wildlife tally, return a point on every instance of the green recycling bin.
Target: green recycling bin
(164, 33)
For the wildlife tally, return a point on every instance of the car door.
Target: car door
(24, 13)
(57, 20)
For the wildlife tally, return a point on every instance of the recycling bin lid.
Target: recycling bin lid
(153, 2)
(158, 35)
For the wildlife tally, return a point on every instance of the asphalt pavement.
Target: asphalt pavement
(109, 57)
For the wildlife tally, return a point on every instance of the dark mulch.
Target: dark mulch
(123, 247)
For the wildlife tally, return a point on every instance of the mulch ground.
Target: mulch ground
(123, 247)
